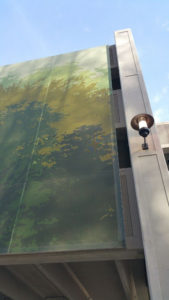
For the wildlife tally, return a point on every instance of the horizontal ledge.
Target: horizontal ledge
(146, 153)
(162, 123)
(122, 30)
(70, 256)
(165, 146)
(130, 75)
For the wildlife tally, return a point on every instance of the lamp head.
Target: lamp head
(142, 123)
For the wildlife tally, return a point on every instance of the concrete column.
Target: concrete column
(149, 170)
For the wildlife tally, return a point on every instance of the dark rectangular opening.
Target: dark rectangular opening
(166, 155)
(115, 79)
(123, 148)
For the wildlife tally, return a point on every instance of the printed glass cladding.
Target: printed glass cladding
(58, 176)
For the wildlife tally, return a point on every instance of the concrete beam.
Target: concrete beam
(70, 256)
(124, 277)
(15, 289)
(58, 275)
(77, 281)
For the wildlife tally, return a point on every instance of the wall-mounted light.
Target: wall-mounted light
(142, 123)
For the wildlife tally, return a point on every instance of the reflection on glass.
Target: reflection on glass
(59, 180)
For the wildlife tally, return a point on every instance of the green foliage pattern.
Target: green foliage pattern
(58, 156)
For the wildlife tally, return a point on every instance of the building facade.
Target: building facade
(84, 210)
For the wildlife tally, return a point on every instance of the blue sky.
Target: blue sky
(32, 29)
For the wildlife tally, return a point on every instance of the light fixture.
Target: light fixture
(142, 123)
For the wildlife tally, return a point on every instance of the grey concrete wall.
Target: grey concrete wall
(149, 170)
(163, 133)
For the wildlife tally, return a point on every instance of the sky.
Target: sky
(31, 29)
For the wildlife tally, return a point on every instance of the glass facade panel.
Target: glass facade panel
(59, 185)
